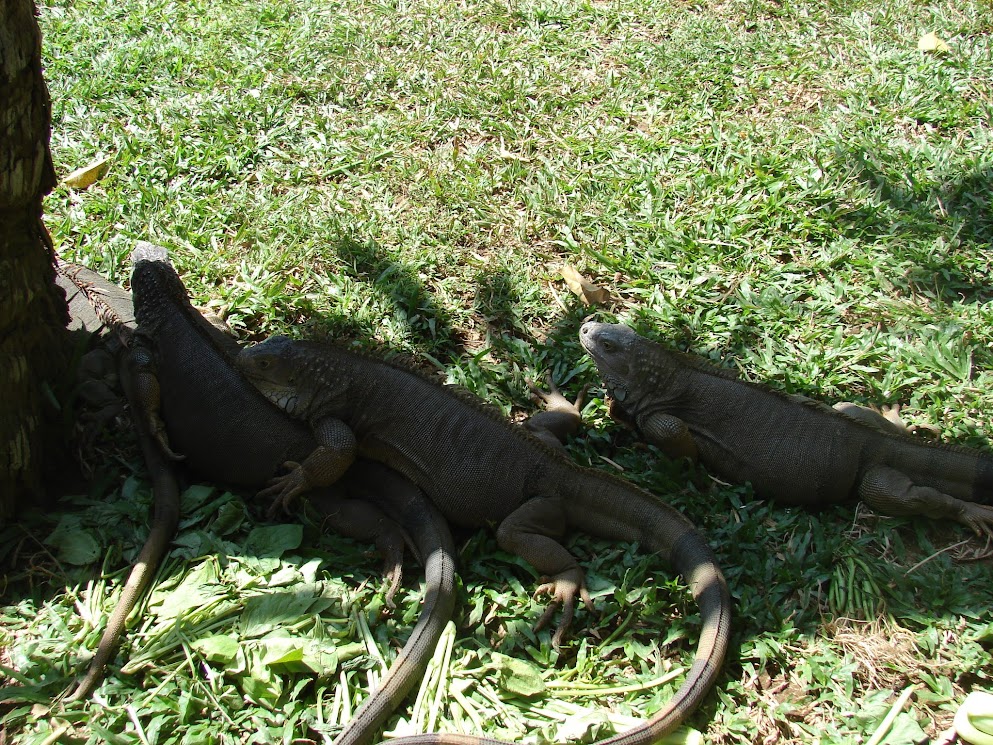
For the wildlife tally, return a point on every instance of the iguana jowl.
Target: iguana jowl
(792, 449)
(482, 471)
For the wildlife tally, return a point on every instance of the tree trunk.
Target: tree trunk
(33, 348)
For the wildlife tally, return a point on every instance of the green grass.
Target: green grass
(791, 188)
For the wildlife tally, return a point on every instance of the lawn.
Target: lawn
(792, 189)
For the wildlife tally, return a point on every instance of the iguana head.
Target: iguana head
(273, 366)
(154, 280)
(612, 347)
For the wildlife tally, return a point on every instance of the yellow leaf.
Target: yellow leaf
(931, 43)
(588, 292)
(85, 177)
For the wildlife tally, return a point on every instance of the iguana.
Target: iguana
(229, 432)
(103, 310)
(480, 470)
(792, 449)
(195, 402)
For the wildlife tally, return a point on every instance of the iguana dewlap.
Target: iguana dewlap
(792, 449)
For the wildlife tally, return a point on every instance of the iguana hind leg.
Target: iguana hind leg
(532, 531)
(885, 419)
(891, 492)
(145, 383)
(560, 418)
(364, 521)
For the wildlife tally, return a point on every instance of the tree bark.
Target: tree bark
(33, 315)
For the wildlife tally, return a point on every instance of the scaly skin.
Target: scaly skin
(480, 470)
(791, 449)
(246, 439)
(231, 433)
(100, 307)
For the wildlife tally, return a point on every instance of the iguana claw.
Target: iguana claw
(563, 588)
(553, 398)
(560, 419)
(979, 518)
(283, 490)
(392, 573)
(159, 434)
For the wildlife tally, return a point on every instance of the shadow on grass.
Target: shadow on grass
(430, 326)
(499, 302)
(944, 214)
(515, 335)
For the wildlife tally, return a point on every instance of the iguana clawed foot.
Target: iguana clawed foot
(978, 518)
(553, 400)
(560, 418)
(563, 588)
(284, 490)
(159, 433)
(392, 573)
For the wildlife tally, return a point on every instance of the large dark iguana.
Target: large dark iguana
(200, 405)
(100, 310)
(792, 449)
(228, 432)
(480, 470)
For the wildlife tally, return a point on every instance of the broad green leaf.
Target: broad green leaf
(518, 676)
(74, 544)
(220, 648)
(229, 518)
(584, 725)
(283, 576)
(264, 613)
(299, 655)
(195, 496)
(904, 731)
(199, 587)
(281, 650)
(271, 541)
(261, 684)
(79, 548)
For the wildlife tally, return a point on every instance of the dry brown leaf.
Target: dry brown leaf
(588, 292)
(85, 177)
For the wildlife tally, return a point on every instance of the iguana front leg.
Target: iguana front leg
(667, 432)
(891, 492)
(145, 383)
(533, 532)
(325, 465)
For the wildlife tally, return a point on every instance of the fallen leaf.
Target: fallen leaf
(588, 292)
(85, 177)
(931, 43)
